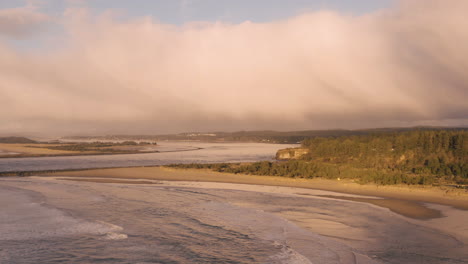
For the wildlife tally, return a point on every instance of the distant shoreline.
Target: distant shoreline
(405, 200)
(26, 155)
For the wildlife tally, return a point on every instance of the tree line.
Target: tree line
(409, 157)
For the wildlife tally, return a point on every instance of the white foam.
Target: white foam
(111, 226)
(289, 256)
(115, 236)
(23, 219)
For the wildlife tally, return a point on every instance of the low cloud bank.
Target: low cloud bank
(406, 65)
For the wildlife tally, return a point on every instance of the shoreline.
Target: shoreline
(405, 200)
(26, 155)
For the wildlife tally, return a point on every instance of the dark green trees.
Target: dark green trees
(409, 157)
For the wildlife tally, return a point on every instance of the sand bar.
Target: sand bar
(405, 200)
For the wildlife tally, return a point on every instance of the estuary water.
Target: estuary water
(51, 220)
(170, 153)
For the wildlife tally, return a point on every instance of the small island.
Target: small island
(15, 147)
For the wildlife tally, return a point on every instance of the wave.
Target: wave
(288, 255)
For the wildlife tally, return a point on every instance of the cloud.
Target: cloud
(405, 65)
(21, 22)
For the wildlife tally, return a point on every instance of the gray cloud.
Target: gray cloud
(406, 65)
(22, 21)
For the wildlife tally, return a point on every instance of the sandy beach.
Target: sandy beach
(13, 150)
(404, 200)
(31, 150)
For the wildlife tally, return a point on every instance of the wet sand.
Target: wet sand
(405, 200)
(407, 208)
(31, 150)
(108, 181)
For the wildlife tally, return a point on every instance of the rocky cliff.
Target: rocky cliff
(291, 153)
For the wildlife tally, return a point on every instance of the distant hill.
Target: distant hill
(20, 140)
(266, 136)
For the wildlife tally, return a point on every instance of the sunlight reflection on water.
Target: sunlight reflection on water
(209, 153)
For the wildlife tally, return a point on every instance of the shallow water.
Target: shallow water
(52, 221)
(172, 152)
(7, 153)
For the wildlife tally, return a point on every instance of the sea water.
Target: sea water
(45, 220)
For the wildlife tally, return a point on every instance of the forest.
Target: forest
(425, 157)
(265, 136)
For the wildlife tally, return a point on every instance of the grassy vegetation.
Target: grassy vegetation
(14, 150)
(16, 140)
(42, 172)
(411, 157)
(310, 170)
(106, 147)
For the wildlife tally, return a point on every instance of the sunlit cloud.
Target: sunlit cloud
(405, 65)
(21, 22)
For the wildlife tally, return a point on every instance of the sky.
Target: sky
(78, 67)
(182, 11)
